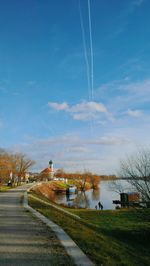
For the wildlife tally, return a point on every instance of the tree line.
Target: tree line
(83, 179)
(13, 167)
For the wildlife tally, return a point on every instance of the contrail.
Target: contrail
(85, 51)
(89, 67)
(91, 48)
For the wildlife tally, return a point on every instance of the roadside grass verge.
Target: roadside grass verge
(4, 188)
(108, 238)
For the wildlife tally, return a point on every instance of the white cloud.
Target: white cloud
(124, 95)
(78, 142)
(78, 149)
(78, 165)
(81, 111)
(109, 140)
(73, 152)
(84, 116)
(141, 88)
(74, 149)
(59, 106)
(134, 113)
(88, 106)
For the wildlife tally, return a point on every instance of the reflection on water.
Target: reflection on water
(96, 194)
(70, 197)
(89, 199)
(82, 200)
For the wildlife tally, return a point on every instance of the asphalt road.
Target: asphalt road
(24, 240)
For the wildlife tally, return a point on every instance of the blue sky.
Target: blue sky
(47, 109)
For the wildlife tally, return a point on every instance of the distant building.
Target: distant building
(48, 173)
(26, 177)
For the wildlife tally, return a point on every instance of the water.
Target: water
(89, 199)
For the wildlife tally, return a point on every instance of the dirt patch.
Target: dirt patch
(49, 190)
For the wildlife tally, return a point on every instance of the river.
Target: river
(105, 194)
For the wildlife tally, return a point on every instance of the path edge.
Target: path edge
(77, 255)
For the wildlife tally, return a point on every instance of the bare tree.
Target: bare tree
(60, 173)
(136, 169)
(20, 165)
(15, 164)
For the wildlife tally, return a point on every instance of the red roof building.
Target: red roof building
(47, 173)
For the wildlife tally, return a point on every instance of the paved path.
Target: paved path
(24, 240)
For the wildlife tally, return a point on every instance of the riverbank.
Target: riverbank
(48, 189)
(112, 238)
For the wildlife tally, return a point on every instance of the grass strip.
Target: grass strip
(4, 188)
(106, 247)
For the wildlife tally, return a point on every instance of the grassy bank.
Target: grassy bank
(107, 237)
(4, 188)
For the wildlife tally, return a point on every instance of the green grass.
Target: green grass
(4, 188)
(58, 184)
(107, 237)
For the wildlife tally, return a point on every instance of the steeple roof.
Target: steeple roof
(47, 170)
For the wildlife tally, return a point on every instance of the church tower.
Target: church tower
(51, 168)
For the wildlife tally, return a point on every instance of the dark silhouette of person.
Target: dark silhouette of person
(96, 207)
(100, 205)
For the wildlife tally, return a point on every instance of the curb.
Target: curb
(77, 255)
